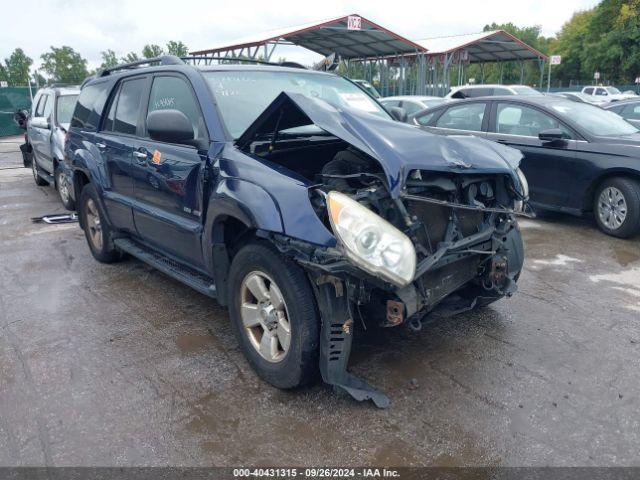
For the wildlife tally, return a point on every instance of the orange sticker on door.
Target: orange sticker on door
(157, 157)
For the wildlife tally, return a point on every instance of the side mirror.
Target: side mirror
(398, 113)
(40, 122)
(552, 135)
(171, 126)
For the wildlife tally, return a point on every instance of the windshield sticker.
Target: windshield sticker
(165, 102)
(359, 101)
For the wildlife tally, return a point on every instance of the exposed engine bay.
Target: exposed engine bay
(460, 225)
(442, 237)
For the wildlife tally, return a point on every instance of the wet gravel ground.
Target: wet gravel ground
(120, 365)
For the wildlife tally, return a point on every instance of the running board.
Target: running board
(168, 266)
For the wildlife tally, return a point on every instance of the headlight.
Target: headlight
(524, 191)
(371, 242)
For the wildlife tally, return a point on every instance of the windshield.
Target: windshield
(613, 90)
(595, 120)
(243, 95)
(64, 108)
(525, 91)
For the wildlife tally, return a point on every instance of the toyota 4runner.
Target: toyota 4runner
(293, 197)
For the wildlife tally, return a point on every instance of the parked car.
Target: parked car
(46, 129)
(412, 103)
(474, 91)
(577, 158)
(606, 94)
(371, 90)
(627, 109)
(297, 201)
(581, 98)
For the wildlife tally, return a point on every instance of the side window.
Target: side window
(601, 92)
(480, 92)
(620, 110)
(502, 91)
(88, 110)
(426, 119)
(588, 91)
(175, 93)
(48, 106)
(128, 106)
(460, 93)
(520, 120)
(411, 107)
(631, 111)
(391, 103)
(463, 117)
(41, 105)
(108, 122)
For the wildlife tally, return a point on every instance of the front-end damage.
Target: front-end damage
(455, 212)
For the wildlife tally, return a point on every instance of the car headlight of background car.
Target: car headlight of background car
(371, 242)
(518, 205)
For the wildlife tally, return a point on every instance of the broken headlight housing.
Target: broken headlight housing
(518, 205)
(371, 242)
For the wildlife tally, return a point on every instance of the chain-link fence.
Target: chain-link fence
(11, 100)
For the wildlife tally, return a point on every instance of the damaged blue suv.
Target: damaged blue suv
(293, 197)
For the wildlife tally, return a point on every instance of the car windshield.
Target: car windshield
(594, 120)
(613, 90)
(64, 108)
(243, 95)
(525, 91)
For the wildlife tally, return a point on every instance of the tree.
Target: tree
(178, 49)
(151, 51)
(130, 57)
(17, 68)
(109, 59)
(64, 65)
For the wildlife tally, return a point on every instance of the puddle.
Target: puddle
(193, 343)
(627, 281)
(626, 256)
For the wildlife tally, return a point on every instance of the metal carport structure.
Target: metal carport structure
(497, 46)
(400, 65)
(352, 38)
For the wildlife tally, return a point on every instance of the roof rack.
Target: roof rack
(173, 60)
(162, 60)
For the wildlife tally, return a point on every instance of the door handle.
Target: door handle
(501, 140)
(101, 146)
(141, 157)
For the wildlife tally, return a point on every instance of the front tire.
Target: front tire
(64, 189)
(617, 207)
(274, 316)
(96, 227)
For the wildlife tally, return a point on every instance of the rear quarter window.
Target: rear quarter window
(88, 111)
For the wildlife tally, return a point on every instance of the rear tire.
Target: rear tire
(283, 297)
(41, 182)
(96, 228)
(63, 186)
(616, 207)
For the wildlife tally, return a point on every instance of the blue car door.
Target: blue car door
(169, 178)
(115, 142)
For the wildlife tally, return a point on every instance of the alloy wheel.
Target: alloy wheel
(63, 187)
(93, 224)
(612, 208)
(264, 316)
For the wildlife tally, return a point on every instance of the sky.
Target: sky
(91, 26)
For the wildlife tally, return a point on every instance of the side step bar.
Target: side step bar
(168, 266)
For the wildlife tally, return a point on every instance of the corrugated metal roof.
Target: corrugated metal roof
(329, 36)
(496, 45)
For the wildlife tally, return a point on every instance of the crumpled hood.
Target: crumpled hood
(398, 147)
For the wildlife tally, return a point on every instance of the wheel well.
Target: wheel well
(228, 236)
(591, 191)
